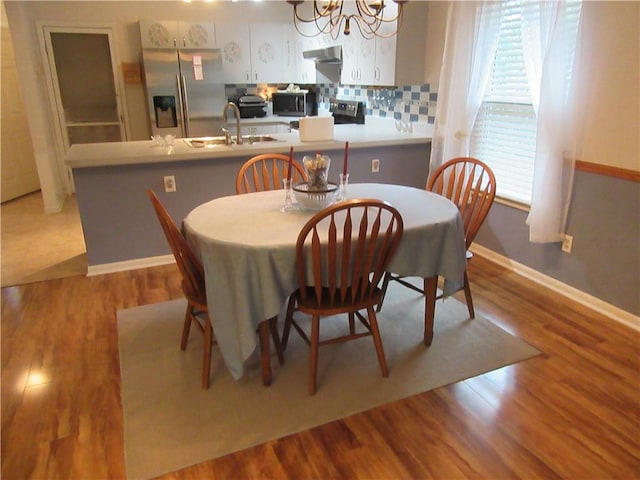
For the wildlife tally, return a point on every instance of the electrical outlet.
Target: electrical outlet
(567, 244)
(375, 165)
(169, 183)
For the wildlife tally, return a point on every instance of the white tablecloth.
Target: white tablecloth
(247, 247)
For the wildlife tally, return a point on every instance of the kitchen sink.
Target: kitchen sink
(257, 138)
(202, 142)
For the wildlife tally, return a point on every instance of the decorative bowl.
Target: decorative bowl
(312, 199)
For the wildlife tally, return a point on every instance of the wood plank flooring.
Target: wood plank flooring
(573, 412)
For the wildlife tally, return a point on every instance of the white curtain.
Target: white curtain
(470, 45)
(545, 44)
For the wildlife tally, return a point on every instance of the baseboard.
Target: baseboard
(104, 268)
(568, 291)
(611, 311)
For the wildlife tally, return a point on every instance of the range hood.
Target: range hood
(325, 55)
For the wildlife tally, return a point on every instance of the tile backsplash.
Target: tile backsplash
(411, 103)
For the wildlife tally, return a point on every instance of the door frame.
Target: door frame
(45, 29)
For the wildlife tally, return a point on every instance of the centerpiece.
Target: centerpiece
(317, 192)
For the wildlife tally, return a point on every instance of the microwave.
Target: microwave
(294, 104)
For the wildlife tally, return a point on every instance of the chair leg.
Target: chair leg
(467, 295)
(186, 328)
(287, 322)
(385, 284)
(313, 353)
(206, 356)
(273, 326)
(265, 354)
(377, 341)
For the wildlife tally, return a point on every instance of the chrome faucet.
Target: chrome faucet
(235, 109)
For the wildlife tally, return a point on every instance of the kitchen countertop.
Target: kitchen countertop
(373, 133)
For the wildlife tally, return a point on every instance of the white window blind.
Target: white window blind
(504, 133)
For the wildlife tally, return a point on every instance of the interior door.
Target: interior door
(84, 88)
(18, 172)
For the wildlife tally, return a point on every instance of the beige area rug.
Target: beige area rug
(170, 422)
(39, 246)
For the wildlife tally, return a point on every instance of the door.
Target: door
(19, 174)
(203, 91)
(164, 100)
(83, 85)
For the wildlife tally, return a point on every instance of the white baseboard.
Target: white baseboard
(568, 291)
(129, 265)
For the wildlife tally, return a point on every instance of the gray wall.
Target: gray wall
(118, 220)
(604, 220)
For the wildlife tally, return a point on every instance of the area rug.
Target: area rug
(170, 422)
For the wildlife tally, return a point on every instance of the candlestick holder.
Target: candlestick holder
(342, 187)
(288, 196)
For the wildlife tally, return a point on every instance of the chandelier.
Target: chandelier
(373, 18)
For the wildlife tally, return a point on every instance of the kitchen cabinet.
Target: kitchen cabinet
(267, 52)
(252, 53)
(170, 34)
(233, 40)
(368, 61)
(297, 68)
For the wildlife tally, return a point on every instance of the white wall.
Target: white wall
(611, 52)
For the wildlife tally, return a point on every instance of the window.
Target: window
(504, 133)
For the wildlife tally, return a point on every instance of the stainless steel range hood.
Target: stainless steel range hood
(325, 55)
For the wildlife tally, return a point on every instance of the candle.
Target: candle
(346, 158)
(290, 167)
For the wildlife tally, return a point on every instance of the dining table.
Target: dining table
(247, 246)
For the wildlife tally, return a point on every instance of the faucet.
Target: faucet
(234, 107)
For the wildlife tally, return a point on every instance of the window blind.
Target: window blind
(504, 133)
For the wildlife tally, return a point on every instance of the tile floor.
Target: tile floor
(38, 246)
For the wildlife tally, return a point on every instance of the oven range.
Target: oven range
(343, 112)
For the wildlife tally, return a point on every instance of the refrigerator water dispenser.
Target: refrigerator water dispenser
(165, 109)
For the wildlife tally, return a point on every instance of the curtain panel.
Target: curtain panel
(470, 44)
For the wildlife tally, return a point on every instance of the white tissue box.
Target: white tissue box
(315, 129)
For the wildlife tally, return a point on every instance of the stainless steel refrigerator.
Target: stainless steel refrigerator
(185, 91)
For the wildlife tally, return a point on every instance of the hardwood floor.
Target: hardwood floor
(573, 412)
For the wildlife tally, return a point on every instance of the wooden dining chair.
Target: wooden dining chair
(197, 313)
(471, 185)
(266, 172)
(341, 256)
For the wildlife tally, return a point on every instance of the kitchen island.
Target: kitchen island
(120, 228)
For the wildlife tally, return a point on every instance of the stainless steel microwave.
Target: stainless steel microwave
(295, 104)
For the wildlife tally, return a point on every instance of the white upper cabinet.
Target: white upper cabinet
(233, 40)
(268, 54)
(297, 68)
(252, 53)
(358, 56)
(170, 34)
(370, 61)
(196, 35)
(384, 68)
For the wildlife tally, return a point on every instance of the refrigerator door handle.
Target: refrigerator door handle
(182, 101)
(185, 106)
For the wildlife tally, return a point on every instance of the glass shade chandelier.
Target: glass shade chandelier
(372, 18)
